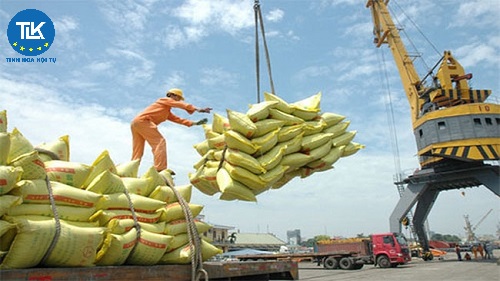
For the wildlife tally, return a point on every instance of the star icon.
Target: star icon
(46, 45)
(31, 49)
(39, 48)
(22, 48)
(15, 44)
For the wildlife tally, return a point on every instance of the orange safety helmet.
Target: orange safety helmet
(177, 92)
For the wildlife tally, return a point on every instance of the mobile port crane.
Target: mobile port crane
(456, 131)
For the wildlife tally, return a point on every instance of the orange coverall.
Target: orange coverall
(144, 128)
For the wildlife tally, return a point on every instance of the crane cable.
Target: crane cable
(258, 17)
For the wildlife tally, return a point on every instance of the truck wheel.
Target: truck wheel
(346, 263)
(330, 263)
(358, 266)
(383, 262)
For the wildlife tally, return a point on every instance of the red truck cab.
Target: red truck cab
(390, 249)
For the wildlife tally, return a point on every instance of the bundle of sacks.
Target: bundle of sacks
(60, 213)
(248, 153)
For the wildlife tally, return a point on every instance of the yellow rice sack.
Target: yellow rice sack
(156, 178)
(9, 176)
(244, 160)
(274, 175)
(106, 183)
(174, 211)
(65, 212)
(178, 227)
(272, 158)
(33, 237)
(217, 142)
(289, 132)
(116, 248)
(70, 173)
(4, 147)
(122, 226)
(209, 132)
(281, 105)
(33, 167)
(205, 180)
(76, 246)
(267, 125)
(313, 127)
(237, 141)
(128, 169)
(332, 118)
(296, 160)
(179, 240)
(329, 159)
(321, 151)
(343, 139)
(202, 147)
(286, 178)
(3, 121)
(313, 141)
(289, 119)
(241, 123)
(119, 201)
(59, 147)
(337, 129)
(220, 124)
(232, 189)
(104, 216)
(291, 146)
(139, 186)
(260, 111)
(241, 175)
(19, 145)
(266, 142)
(310, 104)
(150, 248)
(306, 171)
(8, 201)
(166, 194)
(182, 255)
(8, 232)
(352, 148)
(102, 163)
(305, 115)
(35, 192)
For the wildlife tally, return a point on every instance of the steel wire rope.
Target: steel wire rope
(258, 17)
(194, 238)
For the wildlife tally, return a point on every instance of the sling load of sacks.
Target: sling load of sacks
(248, 153)
(107, 215)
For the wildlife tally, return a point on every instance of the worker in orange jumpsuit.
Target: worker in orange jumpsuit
(145, 125)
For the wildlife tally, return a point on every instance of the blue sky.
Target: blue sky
(113, 58)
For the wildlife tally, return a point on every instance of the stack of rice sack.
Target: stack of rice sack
(102, 214)
(248, 153)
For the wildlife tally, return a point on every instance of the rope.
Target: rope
(56, 217)
(194, 239)
(49, 153)
(137, 226)
(258, 17)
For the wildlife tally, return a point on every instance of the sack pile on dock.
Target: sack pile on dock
(58, 213)
(245, 154)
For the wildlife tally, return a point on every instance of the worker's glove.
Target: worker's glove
(205, 110)
(201, 122)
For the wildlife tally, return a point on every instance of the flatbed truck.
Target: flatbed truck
(383, 249)
(219, 271)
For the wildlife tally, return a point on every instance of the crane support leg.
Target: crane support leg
(422, 210)
(490, 179)
(409, 197)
